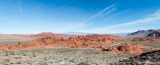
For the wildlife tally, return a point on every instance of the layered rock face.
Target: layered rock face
(89, 41)
(148, 39)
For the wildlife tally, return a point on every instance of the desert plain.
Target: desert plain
(94, 49)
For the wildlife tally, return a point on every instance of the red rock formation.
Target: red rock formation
(134, 49)
(89, 41)
(148, 39)
(4, 47)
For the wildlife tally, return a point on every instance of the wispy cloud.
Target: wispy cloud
(116, 14)
(103, 12)
(106, 10)
(152, 18)
(111, 10)
(19, 5)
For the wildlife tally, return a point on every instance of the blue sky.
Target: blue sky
(89, 16)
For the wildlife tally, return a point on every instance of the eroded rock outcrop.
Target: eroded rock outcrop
(148, 39)
(134, 49)
(4, 47)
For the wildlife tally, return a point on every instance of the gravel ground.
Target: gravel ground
(59, 56)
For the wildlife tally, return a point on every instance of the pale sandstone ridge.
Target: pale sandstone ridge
(148, 39)
(89, 41)
(134, 49)
(43, 34)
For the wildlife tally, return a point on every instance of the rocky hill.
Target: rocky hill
(155, 34)
(140, 33)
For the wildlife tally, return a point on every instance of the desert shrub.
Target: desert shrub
(6, 54)
(84, 63)
(34, 55)
(45, 58)
(18, 62)
(11, 63)
(12, 53)
(7, 60)
(24, 54)
(18, 57)
(72, 61)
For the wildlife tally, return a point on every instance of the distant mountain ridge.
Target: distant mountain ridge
(43, 34)
(155, 34)
(77, 33)
(142, 33)
(121, 34)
